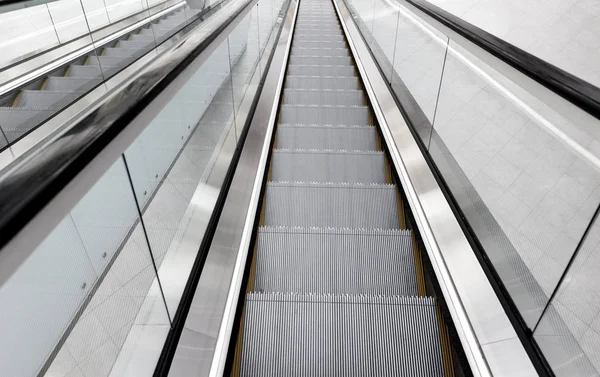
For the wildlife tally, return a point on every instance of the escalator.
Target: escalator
(336, 286)
(24, 109)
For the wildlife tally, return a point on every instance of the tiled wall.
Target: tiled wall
(565, 33)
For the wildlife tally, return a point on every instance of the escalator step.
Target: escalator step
(292, 136)
(46, 99)
(321, 70)
(320, 60)
(92, 71)
(320, 44)
(369, 206)
(309, 26)
(328, 166)
(146, 36)
(347, 115)
(16, 121)
(324, 97)
(71, 84)
(108, 61)
(330, 260)
(136, 44)
(121, 52)
(324, 38)
(295, 334)
(297, 51)
(324, 83)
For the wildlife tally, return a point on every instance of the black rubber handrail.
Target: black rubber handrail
(568, 86)
(36, 181)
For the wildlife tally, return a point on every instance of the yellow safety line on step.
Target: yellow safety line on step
(44, 84)
(17, 98)
(67, 71)
(421, 288)
(87, 60)
(445, 343)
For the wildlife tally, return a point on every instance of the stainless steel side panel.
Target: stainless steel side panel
(204, 343)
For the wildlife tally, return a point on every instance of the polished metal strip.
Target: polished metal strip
(209, 324)
(487, 335)
(36, 230)
(13, 78)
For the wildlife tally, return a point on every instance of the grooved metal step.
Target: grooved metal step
(322, 82)
(108, 61)
(121, 52)
(302, 114)
(321, 70)
(336, 205)
(312, 26)
(320, 44)
(147, 37)
(319, 38)
(297, 51)
(76, 70)
(71, 84)
(300, 165)
(340, 335)
(324, 97)
(46, 99)
(292, 136)
(333, 260)
(308, 33)
(320, 60)
(16, 121)
(136, 44)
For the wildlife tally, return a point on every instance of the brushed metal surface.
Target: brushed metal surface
(206, 336)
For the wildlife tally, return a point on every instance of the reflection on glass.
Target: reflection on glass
(72, 305)
(88, 300)
(385, 22)
(529, 192)
(174, 157)
(418, 62)
(243, 54)
(365, 16)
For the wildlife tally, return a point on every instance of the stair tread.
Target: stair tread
(366, 261)
(345, 335)
(355, 205)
